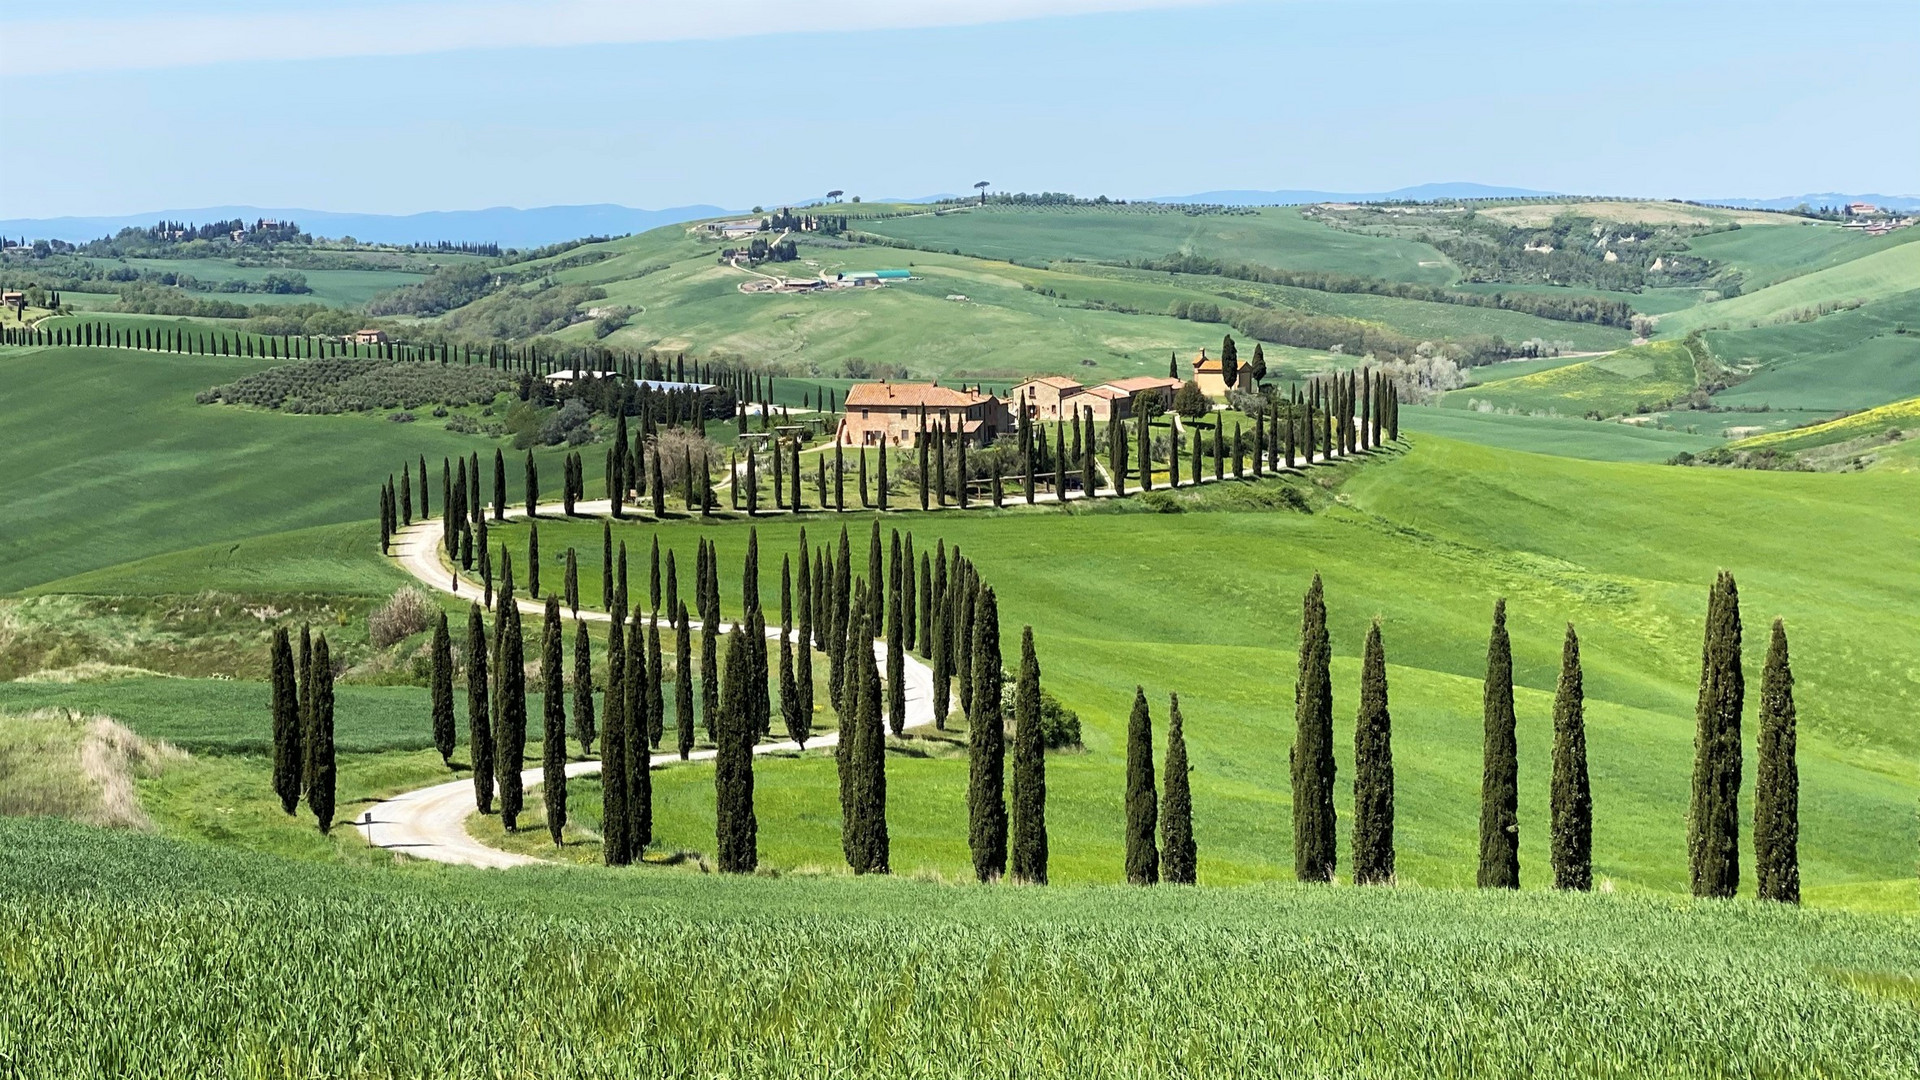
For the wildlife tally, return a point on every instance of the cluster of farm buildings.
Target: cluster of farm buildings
(894, 414)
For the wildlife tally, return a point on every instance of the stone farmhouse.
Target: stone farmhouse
(893, 414)
(1212, 380)
(1054, 397)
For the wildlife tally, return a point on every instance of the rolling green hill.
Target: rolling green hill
(1636, 379)
(1883, 273)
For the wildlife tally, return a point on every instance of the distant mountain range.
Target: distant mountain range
(512, 227)
(503, 225)
(1825, 198)
(1418, 193)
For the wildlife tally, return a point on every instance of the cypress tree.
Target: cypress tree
(803, 672)
(511, 738)
(683, 680)
(499, 486)
(533, 559)
(1143, 859)
(320, 790)
(606, 565)
(286, 722)
(673, 590)
(1572, 801)
(906, 588)
(1776, 786)
(479, 728)
(425, 510)
(653, 577)
(656, 686)
(923, 637)
(986, 746)
(869, 762)
(583, 688)
(876, 578)
(613, 752)
(1314, 852)
(533, 485)
(304, 699)
(710, 676)
(896, 646)
(1176, 814)
(440, 690)
(963, 585)
(638, 761)
(620, 582)
(1029, 817)
(572, 583)
(736, 830)
(1373, 770)
(1713, 821)
(789, 689)
(1500, 768)
(553, 735)
(406, 496)
(848, 708)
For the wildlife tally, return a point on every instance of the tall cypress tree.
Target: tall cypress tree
(1713, 818)
(986, 746)
(869, 761)
(533, 559)
(572, 583)
(499, 486)
(320, 790)
(440, 690)
(1179, 856)
(735, 827)
(710, 675)
(656, 686)
(906, 588)
(1500, 766)
(1373, 770)
(923, 636)
(1029, 817)
(803, 670)
(965, 595)
(638, 759)
(606, 565)
(479, 724)
(1143, 858)
(286, 722)
(583, 729)
(876, 579)
(896, 645)
(1776, 786)
(850, 835)
(613, 752)
(533, 485)
(1572, 801)
(683, 681)
(1314, 851)
(553, 734)
(511, 737)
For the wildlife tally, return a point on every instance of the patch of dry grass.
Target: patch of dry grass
(61, 763)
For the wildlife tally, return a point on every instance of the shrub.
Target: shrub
(410, 611)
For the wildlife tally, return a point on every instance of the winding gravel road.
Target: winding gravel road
(431, 822)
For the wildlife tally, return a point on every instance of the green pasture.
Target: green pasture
(1566, 436)
(1626, 381)
(1886, 272)
(335, 288)
(1269, 236)
(1854, 359)
(108, 460)
(1768, 256)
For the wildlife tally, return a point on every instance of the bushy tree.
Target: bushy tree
(1189, 402)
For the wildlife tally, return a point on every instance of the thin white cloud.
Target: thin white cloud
(177, 39)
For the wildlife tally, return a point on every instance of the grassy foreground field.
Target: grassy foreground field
(199, 961)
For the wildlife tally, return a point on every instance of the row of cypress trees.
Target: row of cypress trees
(303, 754)
(1713, 823)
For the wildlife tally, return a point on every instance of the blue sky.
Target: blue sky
(428, 104)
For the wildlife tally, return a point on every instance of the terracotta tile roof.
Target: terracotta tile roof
(1058, 382)
(1144, 382)
(1107, 392)
(910, 395)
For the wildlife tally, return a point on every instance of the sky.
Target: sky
(411, 105)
